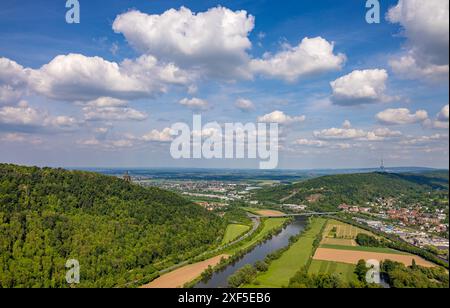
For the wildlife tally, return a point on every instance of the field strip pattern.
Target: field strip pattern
(271, 213)
(352, 257)
(345, 271)
(179, 277)
(363, 248)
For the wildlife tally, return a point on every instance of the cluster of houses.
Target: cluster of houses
(354, 209)
(211, 206)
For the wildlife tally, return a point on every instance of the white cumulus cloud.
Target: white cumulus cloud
(214, 41)
(159, 136)
(75, 77)
(244, 104)
(111, 109)
(311, 56)
(24, 118)
(194, 103)
(441, 121)
(426, 26)
(280, 118)
(360, 87)
(13, 81)
(349, 133)
(401, 116)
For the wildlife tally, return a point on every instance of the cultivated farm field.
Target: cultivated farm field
(345, 271)
(339, 230)
(179, 277)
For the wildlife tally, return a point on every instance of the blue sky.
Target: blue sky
(104, 92)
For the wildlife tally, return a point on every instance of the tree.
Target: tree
(116, 230)
(261, 266)
(361, 270)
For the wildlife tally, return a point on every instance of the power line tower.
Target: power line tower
(127, 177)
(382, 167)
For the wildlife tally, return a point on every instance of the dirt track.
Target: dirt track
(179, 277)
(352, 257)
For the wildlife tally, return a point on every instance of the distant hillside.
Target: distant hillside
(328, 192)
(116, 230)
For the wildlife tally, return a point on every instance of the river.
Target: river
(220, 279)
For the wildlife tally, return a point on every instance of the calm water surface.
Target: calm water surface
(259, 253)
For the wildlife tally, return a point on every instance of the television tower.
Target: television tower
(382, 168)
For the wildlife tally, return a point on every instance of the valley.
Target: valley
(164, 233)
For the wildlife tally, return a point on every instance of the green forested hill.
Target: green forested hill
(116, 230)
(330, 191)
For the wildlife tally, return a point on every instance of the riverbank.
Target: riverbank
(276, 235)
(291, 261)
(189, 274)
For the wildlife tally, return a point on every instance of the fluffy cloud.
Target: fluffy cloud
(401, 116)
(408, 67)
(103, 102)
(13, 81)
(147, 69)
(311, 56)
(444, 114)
(280, 118)
(426, 27)
(360, 87)
(347, 124)
(312, 143)
(9, 95)
(425, 140)
(194, 103)
(111, 109)
(114, 114)
(127, 140)
(20, 138)
(349, 133)
(24, 118)
(75, 77)
(113, 144)
(441, 120)
(340, 133)
(22, 115)
(11, 72)
(386, 132)
(158, 136)
(214, 41)
(244, 105)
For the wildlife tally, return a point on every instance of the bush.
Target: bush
(262, 266)
(368, 241)
(243, 276)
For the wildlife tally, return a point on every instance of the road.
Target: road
(302, 214)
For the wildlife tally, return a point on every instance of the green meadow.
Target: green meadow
(284, 268)
(233, 232)
(269, 225)
(345, 271)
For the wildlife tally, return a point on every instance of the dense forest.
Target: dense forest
(119, 232)
(401, 276)
(395, 274)
(327, 192)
